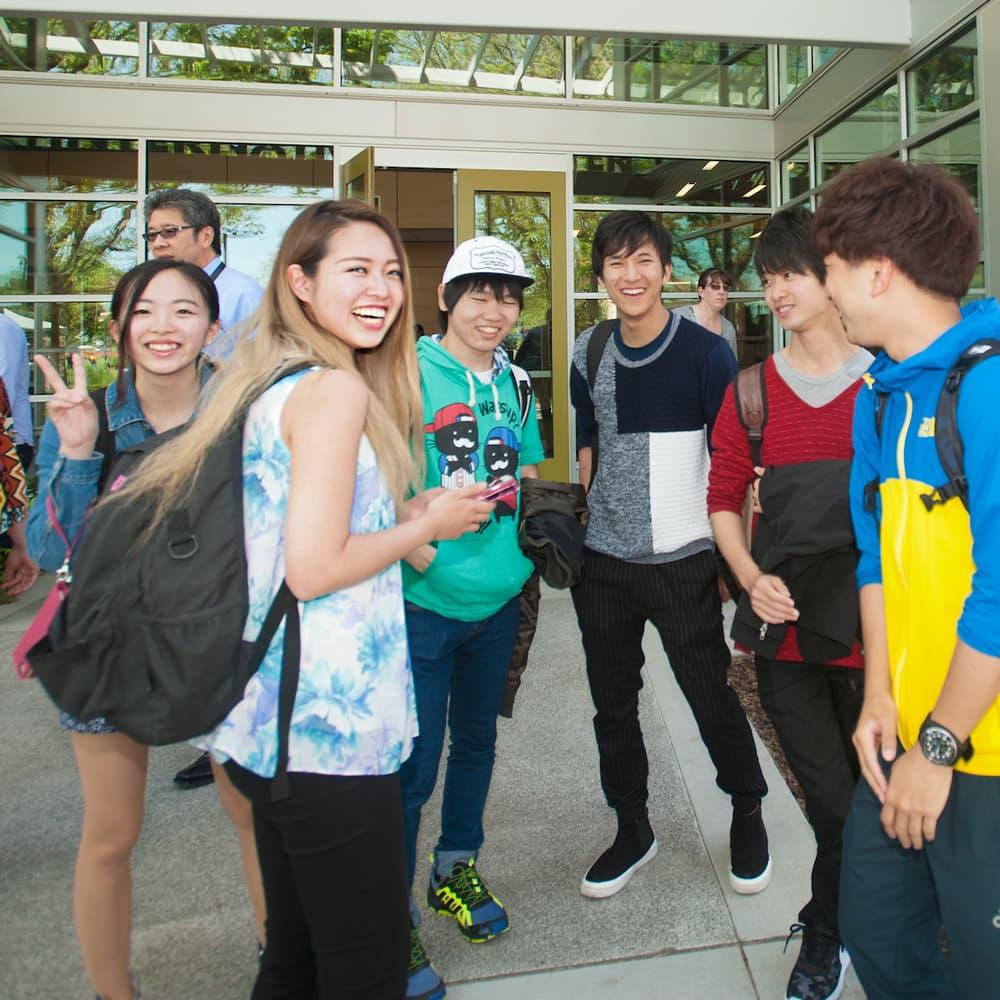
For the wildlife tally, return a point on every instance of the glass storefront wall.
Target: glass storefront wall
(868, 130)
(944, 82)
(940, 124)
(653, 70)
(37, 45)
(663, 71)
(795, 176)
(447, 60)
(71, 221)
(248, 53)
(797, 63)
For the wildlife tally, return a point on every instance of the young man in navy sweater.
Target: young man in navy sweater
(649, 553)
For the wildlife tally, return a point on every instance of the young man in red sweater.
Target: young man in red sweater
(808, 668)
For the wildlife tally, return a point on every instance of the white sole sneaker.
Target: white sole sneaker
(601, 890)
(751, 886)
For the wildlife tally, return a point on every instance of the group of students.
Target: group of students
(887, 704)
(364, 458)
(367, 482)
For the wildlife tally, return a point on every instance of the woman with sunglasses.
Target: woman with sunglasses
(713, 294)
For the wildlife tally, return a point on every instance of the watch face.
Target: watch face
(938, 745)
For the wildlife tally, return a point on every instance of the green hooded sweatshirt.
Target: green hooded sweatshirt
(473, 433)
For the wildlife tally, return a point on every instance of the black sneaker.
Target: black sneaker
(750, 861)
(634, 847)
(821, 967)
(196, 774)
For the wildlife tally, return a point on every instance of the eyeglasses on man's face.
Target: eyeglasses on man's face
(167, 233)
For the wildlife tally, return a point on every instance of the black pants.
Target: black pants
(614, 599)
(814, 710)
(334, 872)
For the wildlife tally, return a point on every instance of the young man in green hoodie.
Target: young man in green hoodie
(462, 596)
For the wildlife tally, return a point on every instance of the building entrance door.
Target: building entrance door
(528, 210)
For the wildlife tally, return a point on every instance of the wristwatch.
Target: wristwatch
(940, 745)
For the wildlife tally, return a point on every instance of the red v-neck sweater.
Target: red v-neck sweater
(795, 432)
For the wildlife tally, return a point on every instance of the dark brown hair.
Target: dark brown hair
(498, 284)
(918, 216)
(715, 272)
(130, 289)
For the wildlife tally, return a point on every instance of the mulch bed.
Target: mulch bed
(743, 680)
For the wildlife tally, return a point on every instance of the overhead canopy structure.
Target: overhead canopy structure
(844, 22)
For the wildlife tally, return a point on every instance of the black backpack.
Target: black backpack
(947, 437)
(151, 637)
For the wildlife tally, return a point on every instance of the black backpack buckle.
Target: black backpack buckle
(870, 495)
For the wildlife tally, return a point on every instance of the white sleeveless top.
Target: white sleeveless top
(355, 711)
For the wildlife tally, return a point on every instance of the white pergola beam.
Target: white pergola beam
(834, 22)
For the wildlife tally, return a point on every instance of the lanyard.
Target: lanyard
(218, 270)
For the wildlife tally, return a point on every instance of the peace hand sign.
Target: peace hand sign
(71, 411)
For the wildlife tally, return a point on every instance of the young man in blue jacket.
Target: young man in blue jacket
(901, 244)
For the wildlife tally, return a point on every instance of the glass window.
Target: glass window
(641, 180)
(65, 247)
(29, 163)
(251, 235)
(793, 68)
(795, 174)
(31, 44)
(253, 53)
(717, 74)
(240, 168)
(944, 82)
(868, 130)
(485, 62)
(822, 54)
(701, 240)
(959, 152)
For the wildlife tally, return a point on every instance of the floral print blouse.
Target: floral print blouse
(354, 711)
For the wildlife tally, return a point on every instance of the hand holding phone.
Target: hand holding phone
(501, 489)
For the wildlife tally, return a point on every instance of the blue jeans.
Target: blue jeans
(459, 673)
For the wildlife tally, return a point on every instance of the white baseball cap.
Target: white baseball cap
(488, 256)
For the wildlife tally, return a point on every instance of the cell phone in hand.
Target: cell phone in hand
(500, 490)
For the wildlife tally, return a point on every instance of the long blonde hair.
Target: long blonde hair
(283, 335)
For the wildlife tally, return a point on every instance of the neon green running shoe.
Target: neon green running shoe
(463, 896)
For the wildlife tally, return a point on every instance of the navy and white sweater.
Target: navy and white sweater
(655, 406)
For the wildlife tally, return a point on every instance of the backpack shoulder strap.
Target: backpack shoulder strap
(105, 444)
(947, 436)
(870, 495)
(595, 348)
(525, 392)
(750, 396)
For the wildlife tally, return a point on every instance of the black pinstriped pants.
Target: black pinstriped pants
(614, 599)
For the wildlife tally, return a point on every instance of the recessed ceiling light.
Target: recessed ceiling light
(711, 165)
(684, 190)
(755, 190)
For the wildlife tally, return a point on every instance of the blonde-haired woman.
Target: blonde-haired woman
(326, 465)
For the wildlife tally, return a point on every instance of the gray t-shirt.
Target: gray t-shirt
(818, 390)
(728, 330)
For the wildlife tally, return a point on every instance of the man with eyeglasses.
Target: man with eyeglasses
(185, 225)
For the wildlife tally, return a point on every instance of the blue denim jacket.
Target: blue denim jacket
(72, 482)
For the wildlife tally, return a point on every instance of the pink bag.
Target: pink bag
(39, 626)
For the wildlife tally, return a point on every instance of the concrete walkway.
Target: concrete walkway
(676, 931)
